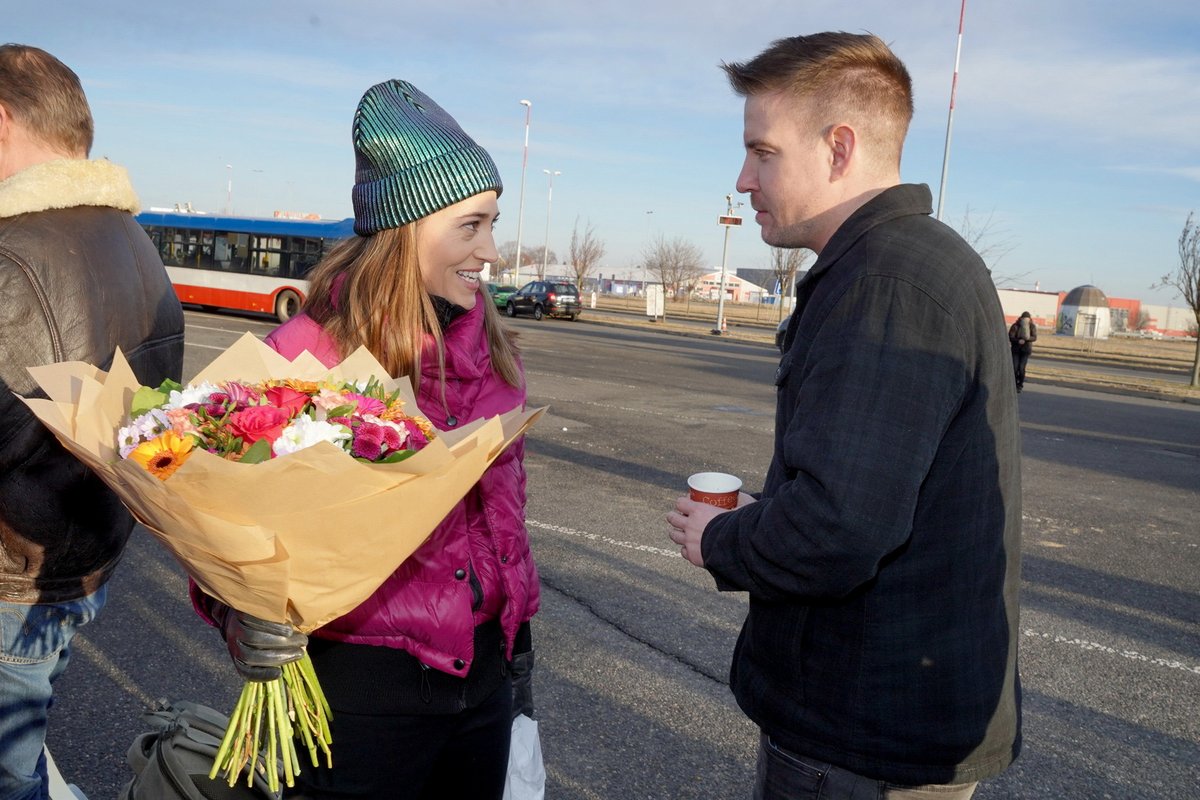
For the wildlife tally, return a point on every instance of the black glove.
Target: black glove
(522, 671)
(259, 648)
(522, 684)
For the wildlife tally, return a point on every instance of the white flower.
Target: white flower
(191, 394)
(143, 429)
(304, 431)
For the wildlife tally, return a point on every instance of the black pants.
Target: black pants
(1020, 359)
(381, 751)
(420, 756)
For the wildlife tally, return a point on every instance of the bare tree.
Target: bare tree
(508, 254)
(677, 263)
(529, 258)
(785, 263)
(584, 253)
(992, 244)
(1186, 280)
(534, 259)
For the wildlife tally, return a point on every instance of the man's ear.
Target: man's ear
(843, 144)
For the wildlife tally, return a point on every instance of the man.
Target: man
(78, 278)
(1021, 336)
(879, 654)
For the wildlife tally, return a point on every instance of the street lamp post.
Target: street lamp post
(549, 199)
(962, 13)
(645, 277)
(521, 210)
(728, 221)
(229, 190)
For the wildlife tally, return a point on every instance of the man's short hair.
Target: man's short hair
(45, 97)
(852, 75)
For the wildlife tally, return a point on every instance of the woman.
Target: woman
(419, 676)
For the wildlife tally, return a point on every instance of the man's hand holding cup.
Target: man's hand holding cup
(709, 494)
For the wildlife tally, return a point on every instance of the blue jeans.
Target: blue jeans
(33, 653)
(784, 775)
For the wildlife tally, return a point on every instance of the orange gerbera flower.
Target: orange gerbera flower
(162, 456)
(308, 387)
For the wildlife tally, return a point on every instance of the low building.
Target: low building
(1085, 312)
(1169, 320)
(737, 290)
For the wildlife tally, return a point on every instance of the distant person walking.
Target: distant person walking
(1021, 336)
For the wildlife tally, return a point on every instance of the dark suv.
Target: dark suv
(545, 299)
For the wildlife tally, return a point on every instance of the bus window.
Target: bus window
(239, 246)
(189, 251)
(221, 251)
(170, 247)
(205, 256)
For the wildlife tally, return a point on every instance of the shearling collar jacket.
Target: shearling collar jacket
(78, 278)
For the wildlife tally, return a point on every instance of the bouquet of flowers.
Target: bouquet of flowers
(251, 422)
(244, 475)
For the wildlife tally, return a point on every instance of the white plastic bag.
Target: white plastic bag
(526, 773)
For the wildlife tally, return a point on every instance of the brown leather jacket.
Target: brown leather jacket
(78, 278)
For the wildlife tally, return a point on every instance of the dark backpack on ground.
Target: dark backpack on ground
(172, 761)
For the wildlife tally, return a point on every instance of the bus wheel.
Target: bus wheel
(286, 305)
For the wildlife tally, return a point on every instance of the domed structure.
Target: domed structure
(1085, 313)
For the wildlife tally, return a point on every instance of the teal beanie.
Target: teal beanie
(411, 159)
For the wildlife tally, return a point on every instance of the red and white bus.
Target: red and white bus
(241, 263)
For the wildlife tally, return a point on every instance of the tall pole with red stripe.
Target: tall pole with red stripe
(950, 119)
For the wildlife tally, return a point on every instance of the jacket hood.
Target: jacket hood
(67, 183)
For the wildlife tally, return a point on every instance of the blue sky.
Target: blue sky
(1076, 130)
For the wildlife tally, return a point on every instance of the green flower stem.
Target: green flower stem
(287, 745)
(272, 747)
(254, 725)
(226, 743)
(305, 667)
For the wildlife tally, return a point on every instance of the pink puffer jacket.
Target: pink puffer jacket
(425, 607)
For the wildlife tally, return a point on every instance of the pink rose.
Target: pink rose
(258, 422)
(290, 400)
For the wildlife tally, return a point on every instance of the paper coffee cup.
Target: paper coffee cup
(715, 488)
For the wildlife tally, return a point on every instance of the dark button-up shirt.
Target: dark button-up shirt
(882, 561)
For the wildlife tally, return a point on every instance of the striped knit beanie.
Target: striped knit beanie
(411, 159)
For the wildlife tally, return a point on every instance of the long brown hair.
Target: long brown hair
(368, 291)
